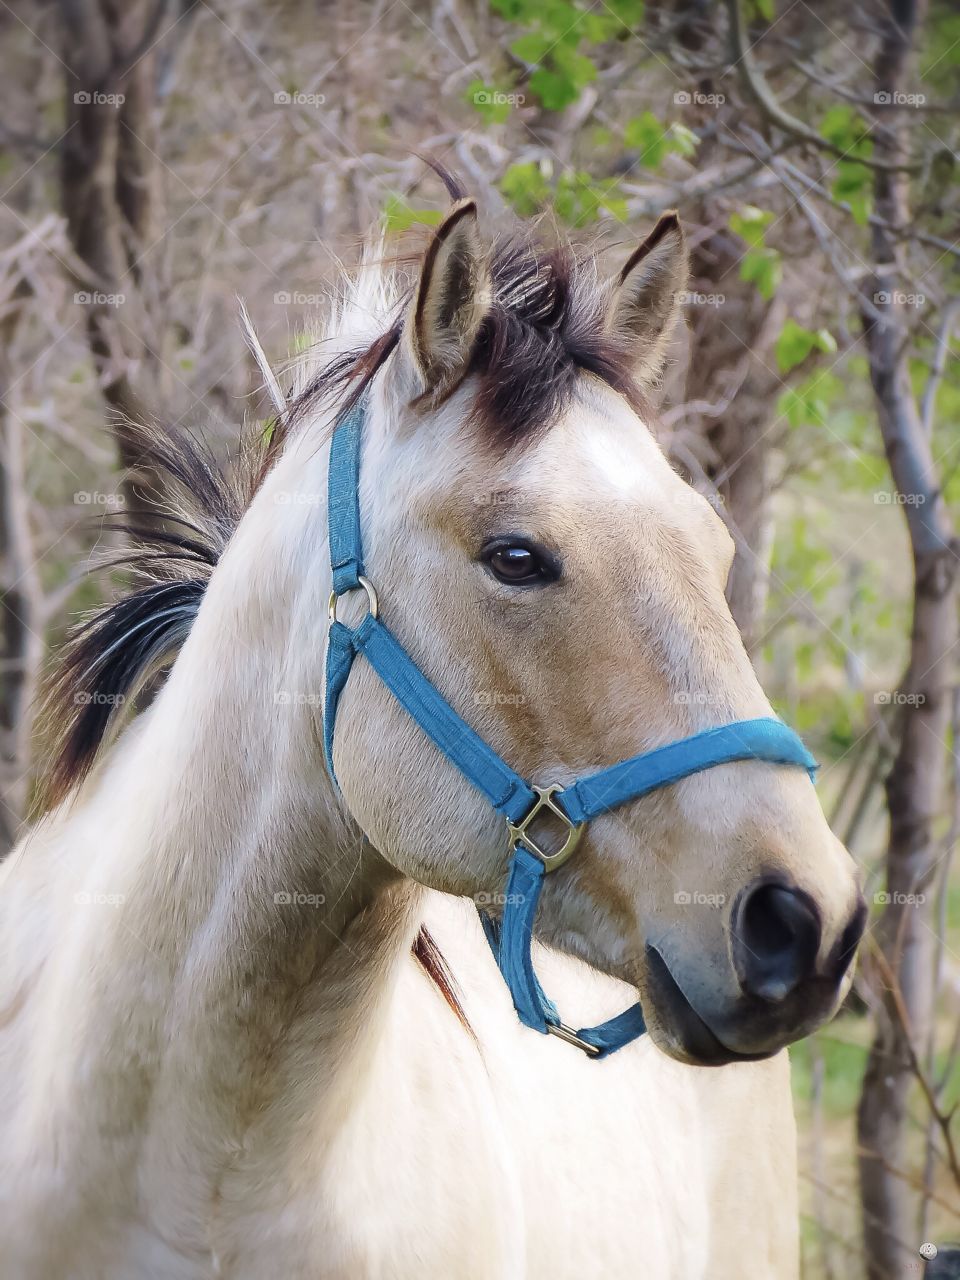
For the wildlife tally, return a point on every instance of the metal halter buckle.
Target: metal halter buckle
(373, 604)
(569, 1036)
(518, 832)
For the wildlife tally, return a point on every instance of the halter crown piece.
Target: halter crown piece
(518, 801)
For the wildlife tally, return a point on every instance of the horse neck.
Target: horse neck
(246, 890)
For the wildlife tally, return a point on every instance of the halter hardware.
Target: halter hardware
(569, 1036)
(519, 834)
(509, 794)
(373, 602)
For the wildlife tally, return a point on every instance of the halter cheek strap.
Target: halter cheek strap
(764, 739)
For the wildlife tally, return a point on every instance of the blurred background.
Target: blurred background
(160, 159)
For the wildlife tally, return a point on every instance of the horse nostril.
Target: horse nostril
(776, 936)
(850, 939)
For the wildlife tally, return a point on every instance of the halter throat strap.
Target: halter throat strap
(510, 938)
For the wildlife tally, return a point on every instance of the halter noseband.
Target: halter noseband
(519, 802)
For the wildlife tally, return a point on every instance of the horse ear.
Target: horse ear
(451, 300)
(646, 297)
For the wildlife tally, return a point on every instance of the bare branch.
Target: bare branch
(761, 93)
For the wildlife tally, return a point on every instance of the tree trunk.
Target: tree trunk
(108, 179)
(732, 346)
(915, 784)
(729, 344)
(21, 622)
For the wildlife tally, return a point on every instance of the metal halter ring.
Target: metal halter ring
(373, 604)
(518, 830)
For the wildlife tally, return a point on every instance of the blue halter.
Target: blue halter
(519, 802)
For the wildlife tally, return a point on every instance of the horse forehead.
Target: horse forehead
(597, 452)
(600, 448)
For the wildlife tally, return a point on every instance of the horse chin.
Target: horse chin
(677, 1029)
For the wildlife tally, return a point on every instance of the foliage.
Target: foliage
(554, 35)
(398, 215)
(760, 264)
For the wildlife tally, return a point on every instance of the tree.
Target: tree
(915, 783)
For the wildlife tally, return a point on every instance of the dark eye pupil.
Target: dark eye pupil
(514, 562)
(517, 563)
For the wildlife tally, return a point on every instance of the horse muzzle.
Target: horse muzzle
(785, 986)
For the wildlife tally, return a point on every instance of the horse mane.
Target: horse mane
(118, 649)
(544, 327)
(172, 550)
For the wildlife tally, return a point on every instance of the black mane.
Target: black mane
(111, 654)
(545, 326)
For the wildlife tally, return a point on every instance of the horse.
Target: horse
(250, 1024)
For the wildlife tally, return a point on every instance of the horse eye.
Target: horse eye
(519, 563)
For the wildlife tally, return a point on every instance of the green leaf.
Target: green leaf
(400, 216)
(629, 12)
(525, 188)
(826, 342)
(579, 201)
(795, 343)
(750, 224)
(854, 186)
(493, 104)
(762, 267)
(556, 41)
(598, 27)
(683, 140)
(649, 136)
(555, 91)
(579, 69)
(532, 48)
(846, 129)
(839, 126)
